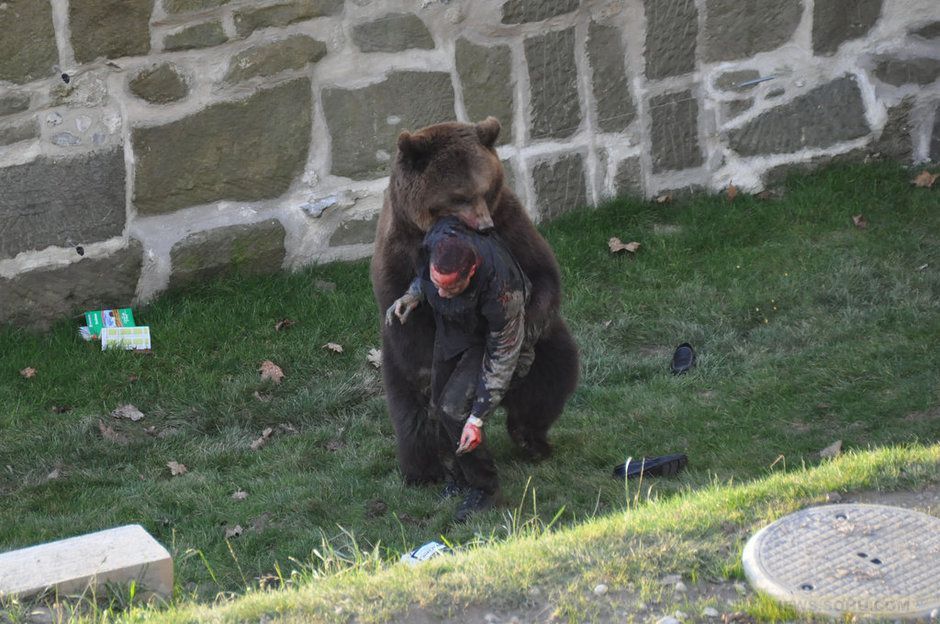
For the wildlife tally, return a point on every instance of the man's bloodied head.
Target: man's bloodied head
(453, 262)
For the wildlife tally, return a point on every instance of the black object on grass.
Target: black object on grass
(661, 466)
(683, 359)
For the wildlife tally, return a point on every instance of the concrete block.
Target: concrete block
(72, 565)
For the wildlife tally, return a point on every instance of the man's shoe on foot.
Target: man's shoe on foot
(475, 501)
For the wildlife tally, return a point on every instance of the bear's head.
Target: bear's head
(448, 169)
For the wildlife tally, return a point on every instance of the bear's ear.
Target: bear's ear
(488, 130)
(414, 148)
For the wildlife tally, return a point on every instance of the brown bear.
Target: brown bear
(453, 169)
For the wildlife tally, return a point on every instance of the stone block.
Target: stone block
(273, 58)
(615, 107)
(393, 33)
(77, 564)
(365, 123)
(109, 28)
(19, 131)
(826, 115)
(355, 232)
(896, 140)
(61, 201)
(520, 11)
(246, 150)
(27, 41)
(250, 19)
(195, 37)
(929, 31)
(187, 6)
(629, 179)
(250, 249)
(735, 107)
(486, 77)
(553, 81)
(838, 21)
(897, 72)
(13, 103)
(935, 140)
(39, 297)
(674, 135)
(160, 84)
(737, 30)
(560, 185)
(671, 32)
(734, 80)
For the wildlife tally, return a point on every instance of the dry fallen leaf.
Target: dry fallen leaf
(665, 198)
(235, 531)
(833, 450)
(265, 436)
(923, 267)
(240, 495)
(285, 323)
(132, 377)
(860, 221)
(264, 398)
(29, 372)
(176, 468)
(764, 195)
(615, 245)
(61, 409)
(925, 179)
(128, 411)
(151, 430)
(332, 346)
(111, 435)
(607, 323)
(271, 371)
(375, 357)
(55, 474)
(335, 445)
(732, 192)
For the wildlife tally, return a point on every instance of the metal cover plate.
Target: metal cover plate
(872, 561)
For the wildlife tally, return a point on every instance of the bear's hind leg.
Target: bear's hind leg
(415, 434)
(535, 402)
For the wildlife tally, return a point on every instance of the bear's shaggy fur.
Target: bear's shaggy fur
(453, 169)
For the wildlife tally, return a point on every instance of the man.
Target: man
(477, 293)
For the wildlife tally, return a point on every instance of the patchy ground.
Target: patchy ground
(680, 599)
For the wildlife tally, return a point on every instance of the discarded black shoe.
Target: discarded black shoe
(683, 359)
(662, 466)
(475, 501)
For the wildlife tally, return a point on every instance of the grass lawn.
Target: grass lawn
(808, 330)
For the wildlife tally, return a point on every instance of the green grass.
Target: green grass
(808, 330)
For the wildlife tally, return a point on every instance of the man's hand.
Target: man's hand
(472, 435)
(402, 307)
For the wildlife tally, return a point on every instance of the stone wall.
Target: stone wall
(147, 144)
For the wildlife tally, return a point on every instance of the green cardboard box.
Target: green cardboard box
(99, 319)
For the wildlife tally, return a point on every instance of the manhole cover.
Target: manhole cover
(868, 560)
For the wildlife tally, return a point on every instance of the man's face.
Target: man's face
(449, 285)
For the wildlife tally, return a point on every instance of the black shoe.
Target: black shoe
(663, 466)
(683, 359)
(452, 489)
(475, 500)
